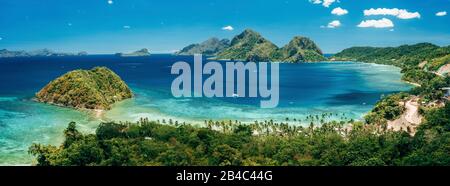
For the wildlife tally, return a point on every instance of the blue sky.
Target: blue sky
(109, 26)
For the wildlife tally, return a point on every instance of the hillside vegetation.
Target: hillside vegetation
(418, 62)
(405, 56)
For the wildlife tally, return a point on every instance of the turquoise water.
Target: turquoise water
(342, 88)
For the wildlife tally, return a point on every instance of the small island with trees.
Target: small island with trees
(139, 53)
(97, 88)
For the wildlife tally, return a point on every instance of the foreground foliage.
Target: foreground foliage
(151, 143)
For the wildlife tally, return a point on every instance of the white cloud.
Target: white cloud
(391, 30)
(127, 27)
(443, 13)
(316, 1)
(381, 23)
(408, 15)
(110, 2)
(228, 28)
(339, 11)
(334, 24)
(399, 13)
(325, 3)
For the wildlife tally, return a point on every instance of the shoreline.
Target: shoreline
(412, 83)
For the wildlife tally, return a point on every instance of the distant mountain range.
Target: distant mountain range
(42, 52)
(251, 46)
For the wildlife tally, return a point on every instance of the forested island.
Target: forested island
(407, 128)
(210, 47)
(139, 53)
(97, 88)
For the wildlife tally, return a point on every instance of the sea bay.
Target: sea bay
(348, 90)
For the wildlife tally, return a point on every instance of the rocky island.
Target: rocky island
(251, 46)
(210, 47)
(301, 49)
(139, 53)
(97, 88)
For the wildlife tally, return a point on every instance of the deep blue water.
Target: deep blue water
(343, 88)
